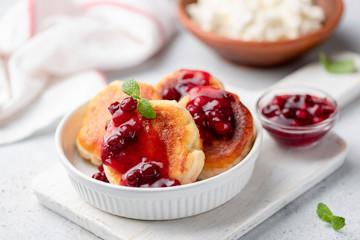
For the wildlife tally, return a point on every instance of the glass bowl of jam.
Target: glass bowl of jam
(297, 116)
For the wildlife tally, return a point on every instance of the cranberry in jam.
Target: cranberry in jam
(186, 80)
(211, 109)
(100, 175)
(298, 110)
(133, 148)
(296, 120)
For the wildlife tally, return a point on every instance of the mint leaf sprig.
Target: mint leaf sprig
(326, 215)
(131, 88)
(337, 67)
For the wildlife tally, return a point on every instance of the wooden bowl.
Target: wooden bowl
(265, 54)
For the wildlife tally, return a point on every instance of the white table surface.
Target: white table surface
(22, 217)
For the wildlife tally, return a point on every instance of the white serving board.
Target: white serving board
(280, 176)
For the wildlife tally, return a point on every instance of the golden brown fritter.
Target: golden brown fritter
(89, 139)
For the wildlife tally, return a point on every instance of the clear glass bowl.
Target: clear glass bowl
(296, 136)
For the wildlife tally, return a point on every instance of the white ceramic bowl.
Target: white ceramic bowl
(149, 203)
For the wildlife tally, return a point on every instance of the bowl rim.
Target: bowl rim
(106, 186)
(327, 27)
(297, 129)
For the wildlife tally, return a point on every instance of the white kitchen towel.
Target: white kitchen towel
(50, 50)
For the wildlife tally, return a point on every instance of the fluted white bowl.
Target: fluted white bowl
(149, 203)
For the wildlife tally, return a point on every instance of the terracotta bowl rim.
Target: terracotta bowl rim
(210, 36)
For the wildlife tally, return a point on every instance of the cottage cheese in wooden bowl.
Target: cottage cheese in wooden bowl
(257, 20)
(260, 33)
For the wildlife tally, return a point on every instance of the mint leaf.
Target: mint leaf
(324, 212)
(337, 222)
(337, 67)
(326, 215)
(146, 109)
(131, 88)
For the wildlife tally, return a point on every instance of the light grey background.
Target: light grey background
(22, 217)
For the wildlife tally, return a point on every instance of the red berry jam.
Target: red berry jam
(100, 175)
(211, 110)
(186, 80)
(299, 110)
(133, 148)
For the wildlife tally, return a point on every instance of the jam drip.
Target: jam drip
(186, 80)
(211, 109)
(133, 148)
(298, 110)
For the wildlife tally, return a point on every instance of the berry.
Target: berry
(100, 176)
(229, 97)
(171, 94)
(288, 113)
(133, 178)
(200, 101)
(128, 104)
(278, 101)
(200, 119)
(127, 131)
(309, 100)
(212, 114)
(223, 127)
(116, 141)
(327, 110)
(188, 75)
(271, 110)
(193, 109)
(185, 80)
(149, 170)
(213, 121)
(120, 117)
(226, 114)
(302, 115)
(114, 107)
